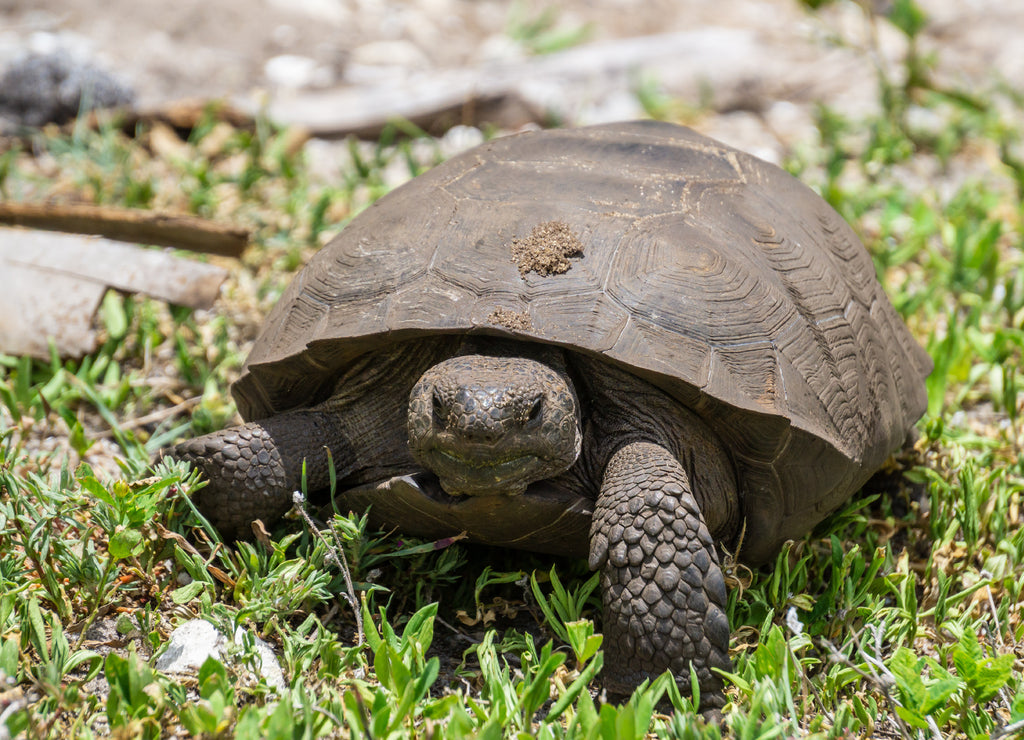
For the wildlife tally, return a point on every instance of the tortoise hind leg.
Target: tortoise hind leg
(253, 469)
(664, 595)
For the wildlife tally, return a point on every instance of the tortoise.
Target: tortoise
(627, 342)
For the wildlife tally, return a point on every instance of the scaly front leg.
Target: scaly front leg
(253, 469)
(664, 595)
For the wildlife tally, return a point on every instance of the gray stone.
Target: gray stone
(37, 89)
(196, 640)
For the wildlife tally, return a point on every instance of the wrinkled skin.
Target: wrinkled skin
(490, 418)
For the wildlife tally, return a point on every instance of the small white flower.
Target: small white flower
(793, 621)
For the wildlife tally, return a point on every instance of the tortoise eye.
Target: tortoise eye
(438, 410)
(536, 414)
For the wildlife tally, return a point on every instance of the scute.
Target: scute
(716, 276)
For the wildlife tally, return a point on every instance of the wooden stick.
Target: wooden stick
(130, 225)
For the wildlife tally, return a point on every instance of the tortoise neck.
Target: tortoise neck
(622, 409)
(492, 346)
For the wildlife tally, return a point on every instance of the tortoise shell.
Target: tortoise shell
(712, 274)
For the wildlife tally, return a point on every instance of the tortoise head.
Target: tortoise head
(492, 425)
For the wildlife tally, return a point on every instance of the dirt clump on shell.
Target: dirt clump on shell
(514, 320)
(547, 249)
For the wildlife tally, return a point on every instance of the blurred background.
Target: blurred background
(751, 71)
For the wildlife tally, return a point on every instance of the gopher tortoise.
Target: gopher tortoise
(628, 342)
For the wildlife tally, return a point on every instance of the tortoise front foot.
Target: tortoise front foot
(664, 595)
(253, 469)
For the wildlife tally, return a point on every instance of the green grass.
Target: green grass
(541, 32)
(901, 615)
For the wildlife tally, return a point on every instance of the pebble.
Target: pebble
(54, 85)
(196, 640)
(294, 72)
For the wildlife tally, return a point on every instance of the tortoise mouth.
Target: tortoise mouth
(492, 463)
(548, 517)
(480, 475)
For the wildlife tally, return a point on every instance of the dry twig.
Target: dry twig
(130, 225)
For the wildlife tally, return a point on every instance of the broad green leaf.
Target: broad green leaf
(125, 543)
(912, 717)
(907, 670)
(187, 592)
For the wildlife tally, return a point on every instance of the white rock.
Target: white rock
(191, 644)
(294, 72)
(42, 42)
(196, 640)
(616, 105)
(459, 139)
(81, 49)
(333, 11)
